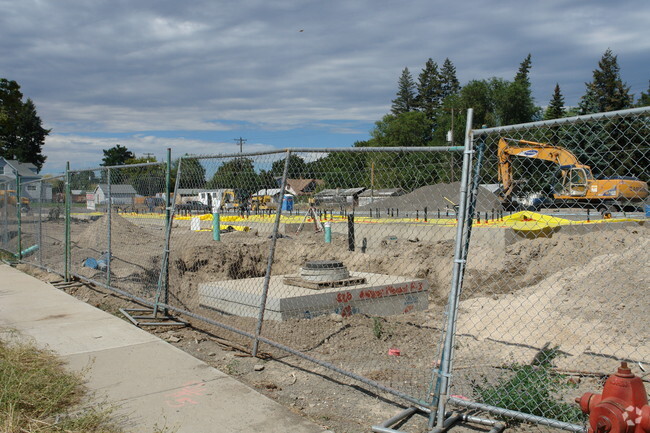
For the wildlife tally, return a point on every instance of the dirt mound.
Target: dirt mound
(590, 301)
(434, 198)
(136, 251)
(122, 230)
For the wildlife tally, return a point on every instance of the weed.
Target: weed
(532, 389)
(232, 368)
(36, 394)
(6, 256)
(377, 327)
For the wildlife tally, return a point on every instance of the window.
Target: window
(31, 187)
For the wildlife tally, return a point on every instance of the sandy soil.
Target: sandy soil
(585, 293)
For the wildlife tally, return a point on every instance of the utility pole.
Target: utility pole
(241, 142)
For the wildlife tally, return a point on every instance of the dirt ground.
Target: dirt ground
(585, 293)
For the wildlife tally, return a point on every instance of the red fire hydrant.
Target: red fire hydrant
(621, 408)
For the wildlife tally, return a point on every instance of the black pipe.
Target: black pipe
(351, 232)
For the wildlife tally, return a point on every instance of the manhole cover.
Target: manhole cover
(324, 270)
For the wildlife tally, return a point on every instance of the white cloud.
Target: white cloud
(127, 67)
(85, 152)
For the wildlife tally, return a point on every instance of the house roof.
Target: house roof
(340, 192)
(386, 192)
(298, 185)
(190, 191)
(270, 191)
(24, 169)
(117, 188)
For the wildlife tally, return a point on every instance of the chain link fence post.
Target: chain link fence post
(269, 263)
(19, 219)
(68, 208)
(109, 212)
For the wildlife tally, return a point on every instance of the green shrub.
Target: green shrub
(532, 389)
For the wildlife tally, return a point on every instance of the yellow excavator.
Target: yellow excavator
(578, 186)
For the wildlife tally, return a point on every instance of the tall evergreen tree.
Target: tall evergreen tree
(519, 106)
(607, 91)
(22, 135)
(555, 109)
(449, 83)
(429, 90)
(524, 69)
(405, 100)
(30, 136)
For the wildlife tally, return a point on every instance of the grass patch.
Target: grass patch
(37, 395)
(532, 389)
(7, 256)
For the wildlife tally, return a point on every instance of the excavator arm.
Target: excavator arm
(530, 149)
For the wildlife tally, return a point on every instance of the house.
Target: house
(120, 194)
(29, 179)
(339, 197)
(370, 196)
(78, 196)
(300, 187)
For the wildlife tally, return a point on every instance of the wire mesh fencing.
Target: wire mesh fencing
(554, 291)
(340, 257)
(117, 231)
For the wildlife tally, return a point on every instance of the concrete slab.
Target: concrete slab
(380, 295)
(153, 383)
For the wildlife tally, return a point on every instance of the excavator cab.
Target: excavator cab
(577, 178)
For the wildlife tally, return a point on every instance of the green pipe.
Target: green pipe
(328, 232)
(216, 227)
(28, 251)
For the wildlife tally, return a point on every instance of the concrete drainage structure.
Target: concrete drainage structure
(322, 287)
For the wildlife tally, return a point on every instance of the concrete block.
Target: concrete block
(381, 295)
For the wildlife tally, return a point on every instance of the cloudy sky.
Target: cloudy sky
(195, 75)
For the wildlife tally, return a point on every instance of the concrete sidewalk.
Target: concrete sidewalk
(153, 383)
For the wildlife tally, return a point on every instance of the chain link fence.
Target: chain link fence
(555, 289)
(507, 278)
(339, 257)
(117, 230)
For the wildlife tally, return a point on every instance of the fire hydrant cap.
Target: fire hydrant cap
(624, 370)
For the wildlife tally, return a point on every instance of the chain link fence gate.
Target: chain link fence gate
(555, 288)
(340, 257)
